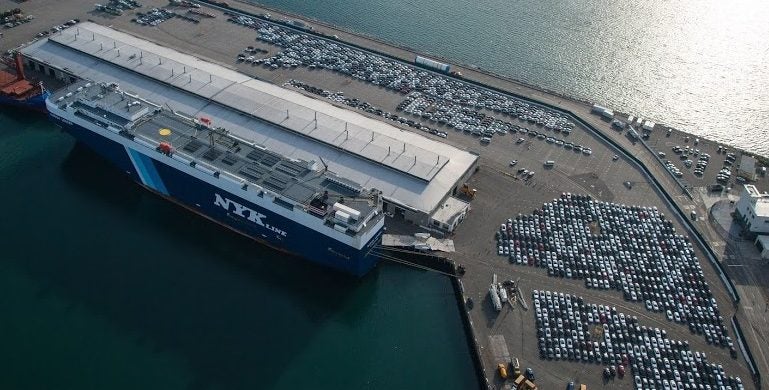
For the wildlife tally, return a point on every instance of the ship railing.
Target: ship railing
(316, 211)
(94, 117)
(351, 228)
(356, 226)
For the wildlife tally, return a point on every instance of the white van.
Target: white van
(549, 163)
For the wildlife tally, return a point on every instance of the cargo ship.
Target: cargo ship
(292, 205)
(17, 91)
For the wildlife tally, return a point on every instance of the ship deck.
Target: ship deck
(303, 182)
(293, 179)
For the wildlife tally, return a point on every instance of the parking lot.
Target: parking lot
(502, 196)
(662, 143)
(570, 328)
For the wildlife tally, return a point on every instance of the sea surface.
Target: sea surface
(104, 285)
(699, 66)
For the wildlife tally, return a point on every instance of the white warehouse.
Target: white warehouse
(753, 210)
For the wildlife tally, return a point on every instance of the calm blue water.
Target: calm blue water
(106, 286)
(699, 66)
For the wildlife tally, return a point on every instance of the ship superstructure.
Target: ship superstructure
(292, 205)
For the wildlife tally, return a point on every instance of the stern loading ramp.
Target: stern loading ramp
(411, 170)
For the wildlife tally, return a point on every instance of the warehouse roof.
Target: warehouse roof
(408, 168)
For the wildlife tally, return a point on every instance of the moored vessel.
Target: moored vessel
(17, 91)
(291, 205)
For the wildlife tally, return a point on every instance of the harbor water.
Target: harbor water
(698, 66)
(104, 285)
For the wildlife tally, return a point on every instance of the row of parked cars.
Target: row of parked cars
(631, 249)
(153, 17)
(432, 96)
(323, 53)
(557, 141)
(302, 49)
(724, 175)
(58, 28)
(673, 168)
(454, 115)
(479, 124)
(116, 7)
(569, 328)
(339, 97)
(690, 155)
(14, 18)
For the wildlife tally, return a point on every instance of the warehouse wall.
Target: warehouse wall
(30, 64)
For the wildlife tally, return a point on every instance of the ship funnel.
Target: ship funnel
(19, 67)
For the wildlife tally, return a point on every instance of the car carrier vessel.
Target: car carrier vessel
(291, 205)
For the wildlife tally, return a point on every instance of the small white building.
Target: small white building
(753, 210)
(450, 214)
(648, 125)
(762, 242)
(602, 111)
(747, 168)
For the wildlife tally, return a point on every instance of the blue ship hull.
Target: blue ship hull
(198, 196)
(35, 103)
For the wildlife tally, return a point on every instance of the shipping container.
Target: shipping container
(432, 64)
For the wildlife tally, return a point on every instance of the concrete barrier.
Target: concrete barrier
(480, 368)
(746, 352)
(684, 188)
(447, 266)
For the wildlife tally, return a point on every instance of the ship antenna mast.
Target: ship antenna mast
(325, 166)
